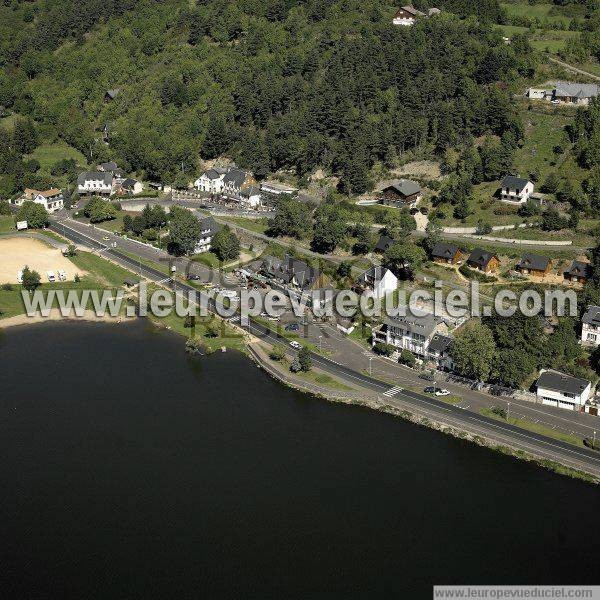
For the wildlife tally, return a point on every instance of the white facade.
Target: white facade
(517, 196)
(564, 396)
(276, 188)
(386, 285)
(95, 183)
(590, 326)
(251, 198)
(51, 200)
(210, 181)
(410, 333)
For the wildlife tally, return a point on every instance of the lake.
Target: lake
(130, 470)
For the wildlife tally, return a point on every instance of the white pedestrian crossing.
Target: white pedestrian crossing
(393, 391)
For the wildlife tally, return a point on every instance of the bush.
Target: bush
(304, 359)
(277, 352)
(295, 367)
(77, 278)
(473, 274)
(407, 358)
(383, 349)
(35, 215)
(193, 346)
(4, 207)
(31, 279)
(7, 287)
(150, 234)
(499, 412)
(505, 209)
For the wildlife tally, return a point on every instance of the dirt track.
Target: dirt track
(15, 253)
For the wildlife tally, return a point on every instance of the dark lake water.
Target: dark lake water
(131, 471)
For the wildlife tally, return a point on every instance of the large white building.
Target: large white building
(209, 228)
(590, 326)
(95, 183)
(211, 181)
(563, 391)
(378, 280)
(410, 332)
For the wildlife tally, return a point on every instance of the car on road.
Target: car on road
(106, 238)
(427, 376)
(296, 345)
(437, 391)
(292, 327)
(192, 277)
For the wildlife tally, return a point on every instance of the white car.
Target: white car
(51, 276)
(296, 345)
(442, 392)
(20, 276)
(62, 275)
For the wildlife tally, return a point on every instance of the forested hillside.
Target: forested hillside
(271, 83)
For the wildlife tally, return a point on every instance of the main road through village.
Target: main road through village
(140, 259)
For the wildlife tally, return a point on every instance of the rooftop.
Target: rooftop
(405, 187)
(591, 315)
(566, 89)
(512, 182)
(444, 250)
(537, 262)
(561, 382)
(440, 343)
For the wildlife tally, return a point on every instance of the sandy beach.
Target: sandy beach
(55, 315)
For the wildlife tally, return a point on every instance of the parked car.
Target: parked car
(437, 391)
(292, 327)
(20, 276)
(51, 276)
(427, 376)
(62, 275)
(192, 277)
(296, 345)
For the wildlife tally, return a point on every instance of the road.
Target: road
(503, 433)
(573, 69)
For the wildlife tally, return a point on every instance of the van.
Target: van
(62, 275)
(51, 276)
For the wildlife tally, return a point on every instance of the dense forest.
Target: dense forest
(274, 84)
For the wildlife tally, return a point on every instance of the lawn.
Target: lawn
(102, 271)
(210, 259)
(318, 378)
(551, 40)
(49, 154)
(116, 225)
(7, 223)
(536, 428)
(535, 11)
(256, 225)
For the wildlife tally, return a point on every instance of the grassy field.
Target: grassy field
(537, 11)
(257, 225)
(318, 378)
(209, 259)
(551, 40)
(536, 428)
(49, 154)
(7, 223)
(116, 225)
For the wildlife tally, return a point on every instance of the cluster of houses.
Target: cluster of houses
(236, 185)
(106, 181)
(408, 15)
(565, 92)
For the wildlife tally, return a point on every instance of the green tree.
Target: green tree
(225, 244)
(25, 137)
(31, 279)
(293, 219)
(35, 215)
(407, 358)
(473, 351)
(277, 352)
(184, 231)
(403, 255)
(127, 223)
(305, 359)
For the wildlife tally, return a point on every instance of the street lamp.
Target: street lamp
(594, 439)
(370, 363)
(320, 344)
(508, 412)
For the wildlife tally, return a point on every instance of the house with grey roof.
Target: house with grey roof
(110, 95)
(590, 326)
(250, 196)
(516, 190)
(401, 194)
(446, 253)
(438, 351)
(574, 93)
(483, 260)
(95, 183)
(534, 264)
(408, 15)
(211, 181)
(383, 243)
(561, 390)
(410, 332)
(208, 228)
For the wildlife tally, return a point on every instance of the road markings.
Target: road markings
(392, 391)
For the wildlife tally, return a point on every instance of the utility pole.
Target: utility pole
(508, 412)
(370, 363)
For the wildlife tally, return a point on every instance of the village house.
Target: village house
(578, 272)
(410, 332)
(107, 167)
(438, 351)
(378, 280)
(211, 181)
(131, 187)
(250, 196)
(562, 391)
(408, 15)
(447, 253)
(515, 189)
(538, 94)
(574, 93)
(590, 326)
(483, 260)
(52, 200)
(405, 193)
(383, 243)
(208, 228)
(236, 180)
(291, 272)
(534, 264)
(95, 183)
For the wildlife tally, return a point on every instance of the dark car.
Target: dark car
(429, 390)
(427, 376)
(292, 327)
(192, 277)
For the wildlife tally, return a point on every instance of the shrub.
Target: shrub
(383, 349)
(499, 412)
(150, 234)
(193, 346)
(407, 358)
(304, 359)
(277, 352)
(295, 367)
(7, 287)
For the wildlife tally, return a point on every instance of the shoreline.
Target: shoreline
(355, 397)
(89, 316)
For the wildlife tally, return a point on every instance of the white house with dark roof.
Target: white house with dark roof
(438, 351)
(516, 189)
(209, 228)
(590, 326)
(211, 181)
(52, 200)
(403, 193)
(236, 180)
(250, 196)
(411, 332)
(377, 279)
(561, 390)
(131, 186)
(95, 183)
(408, 15)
